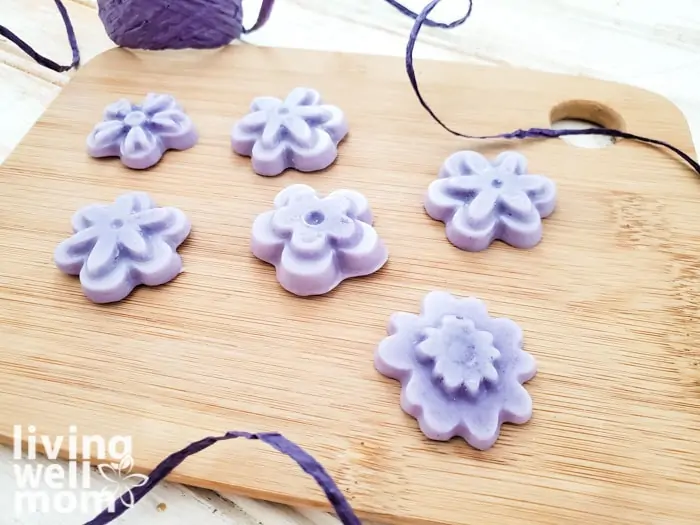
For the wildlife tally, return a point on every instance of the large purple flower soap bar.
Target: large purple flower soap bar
(141, 134)
(461, 371)
(299, 132)
(315, 243)
(119, 246)
(481, 201)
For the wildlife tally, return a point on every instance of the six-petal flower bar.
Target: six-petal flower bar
(298, 132)
(140, 134)
(481, 201)
(119, 246)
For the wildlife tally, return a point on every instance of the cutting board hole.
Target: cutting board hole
(582, 114)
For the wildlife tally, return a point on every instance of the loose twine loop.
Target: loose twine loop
(307, 463)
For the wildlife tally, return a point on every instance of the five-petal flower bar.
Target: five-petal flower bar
(299, 132)
(119, 246)
(315, 243)
(461, 371)
(481, 201)
(141, 134)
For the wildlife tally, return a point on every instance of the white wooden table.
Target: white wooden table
(646, 43)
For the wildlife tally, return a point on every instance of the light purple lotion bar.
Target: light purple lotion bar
(315, 243)
(298, 132)
(461, 371)
(140, 134)
(481, 201)
(119, 246)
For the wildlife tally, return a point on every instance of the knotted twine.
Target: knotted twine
(214, 23)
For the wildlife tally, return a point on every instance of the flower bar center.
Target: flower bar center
(135, 119)
(314, 218)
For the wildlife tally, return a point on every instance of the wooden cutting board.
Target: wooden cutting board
(608, 302)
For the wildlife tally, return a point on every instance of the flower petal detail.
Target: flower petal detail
(118, 110)
(265, 104)
(314, 115)
(103, 257)
(155, 103)
(299, 131)
(266, 244)
(517, 204)
(367, 256)
(308, 242)
(131, 240)
(316, 157)
(481, 201)
(138, 141)
(541, 190)
(303, 275)
(166, 123)
(70, 255)
(306, 234)
(343, 230)
(161, 266)
(357, 205)
(90, 216)
(480, 211)
(106, 138)
(272, 132)
(405, 322)
(464, 163)
(511, 162)
(130, 203)
(302, 97)
(254, 122)
(439, 202)
(295, 193)
(153, 219)
(393, 359)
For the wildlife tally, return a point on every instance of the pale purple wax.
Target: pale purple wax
(481, 201)
(461, 371)
(299, 132)
(317, 242)
(141, 134)
(119, 246)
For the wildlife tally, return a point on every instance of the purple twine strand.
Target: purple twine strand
(307, 463)
(46, 62)
(263, 16)
(422, 19)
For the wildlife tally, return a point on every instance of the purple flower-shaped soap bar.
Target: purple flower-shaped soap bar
(461, 371)
(315, 243)
(140, 135)
(299, 132)
(481, 201)
(119, 246)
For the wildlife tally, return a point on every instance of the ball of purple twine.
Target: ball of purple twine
(176, 24)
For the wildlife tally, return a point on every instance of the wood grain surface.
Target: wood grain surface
(608, 301)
